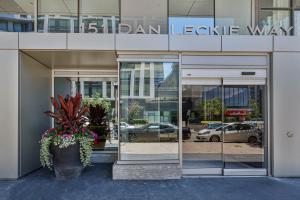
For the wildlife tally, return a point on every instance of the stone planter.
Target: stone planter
(66, 161)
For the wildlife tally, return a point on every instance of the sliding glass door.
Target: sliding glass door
(224, 127)
(244, 127)
(201, 114)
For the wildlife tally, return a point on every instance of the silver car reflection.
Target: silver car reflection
(233, 132)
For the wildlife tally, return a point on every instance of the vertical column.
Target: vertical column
(82, 88)
(142, 81)
(152, 85)
(132, 83)
(104, 93)
(9, 114)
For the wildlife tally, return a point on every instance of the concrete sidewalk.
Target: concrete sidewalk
(96, 183)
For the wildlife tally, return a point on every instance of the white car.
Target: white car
(124, 125)
(233, 132)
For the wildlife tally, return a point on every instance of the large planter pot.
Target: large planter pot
(66, 161)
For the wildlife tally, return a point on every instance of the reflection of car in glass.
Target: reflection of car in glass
(210, 126)
(153, 132)
(233, 132)
(186, 133)
(124, 125)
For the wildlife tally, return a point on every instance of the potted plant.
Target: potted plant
(67, 147)
(98, 117)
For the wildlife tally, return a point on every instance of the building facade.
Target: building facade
(196, 87)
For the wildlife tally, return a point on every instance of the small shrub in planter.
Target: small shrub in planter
(98, 117)
(68, 147)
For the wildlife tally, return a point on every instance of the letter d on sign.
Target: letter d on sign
(124, 26)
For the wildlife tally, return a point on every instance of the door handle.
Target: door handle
(289, 134)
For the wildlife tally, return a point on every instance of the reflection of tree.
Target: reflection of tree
(255, 112)
(133, 110)
(212, 108)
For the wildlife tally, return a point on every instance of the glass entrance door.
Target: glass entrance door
(224, 128)
(202, 117)
(244, 128)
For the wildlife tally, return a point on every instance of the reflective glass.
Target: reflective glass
(297, 22)
(16, 15)
(100, 16)
(202, 118)
(90, 87)
(233, 12)
(149, 121)
(269, 18)
(274, 3)
(244, 127)
(58, 16)
(296, 4)
(190, 12)
(144, 13)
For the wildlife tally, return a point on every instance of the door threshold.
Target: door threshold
(245, 172)
(202, 171)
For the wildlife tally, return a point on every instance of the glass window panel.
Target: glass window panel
(297, 23)
(274, 3)
(145, 13)
(269, 18)
(99, 16)
(16, 16)
(92, 88)
(233, 12)
(190, 12)
(59, 16)
(202, 114)
(244, 129)
(152, 131)
(296, 4)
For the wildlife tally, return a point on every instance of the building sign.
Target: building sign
(194, 30)
(236, 112)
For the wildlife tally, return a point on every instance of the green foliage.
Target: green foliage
(212, 108)
(85, 151)
(98, 115)
(45, 156)
(133, 110)
(139, 121)
(50, 137)
(96, 100)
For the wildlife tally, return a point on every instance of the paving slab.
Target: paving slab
(96, 183)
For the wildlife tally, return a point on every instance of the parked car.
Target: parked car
(186, 133)
(124, 125)
(233, 132)
(211, 126)
(153, 132)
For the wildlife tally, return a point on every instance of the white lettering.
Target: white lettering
(92, 26)
(188, 29)
(153, 30)
(233, 30)
(286, 31)
(126, 26)
(256, 30)
(214, 30)
(273, 31)
(140, 30)
(199, 28)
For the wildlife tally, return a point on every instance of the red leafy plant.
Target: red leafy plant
(69, 115)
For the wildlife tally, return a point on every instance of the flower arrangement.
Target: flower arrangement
(69, 130)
